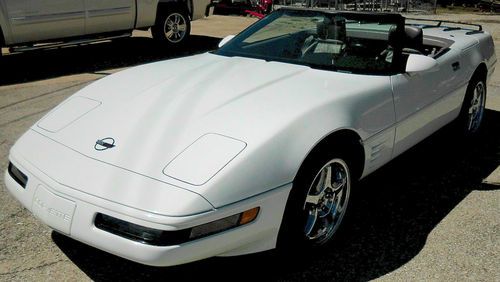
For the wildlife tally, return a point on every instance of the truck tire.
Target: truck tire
(172, 26)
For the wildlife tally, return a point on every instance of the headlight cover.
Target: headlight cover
(203, 159)
(68, 112)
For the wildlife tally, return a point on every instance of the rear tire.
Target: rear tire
(473, 107)
(317, 207)
(172, 26)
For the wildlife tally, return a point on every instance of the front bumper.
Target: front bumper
(72, 212)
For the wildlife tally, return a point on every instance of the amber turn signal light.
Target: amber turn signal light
(249, 215)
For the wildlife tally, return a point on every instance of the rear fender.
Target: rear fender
(147, 11)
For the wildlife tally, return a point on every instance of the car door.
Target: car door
(109, 15)
(37, 20)
(426, 101)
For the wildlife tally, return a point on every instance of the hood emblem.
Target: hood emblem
(104, 144)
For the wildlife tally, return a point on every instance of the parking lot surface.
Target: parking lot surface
(431, 214)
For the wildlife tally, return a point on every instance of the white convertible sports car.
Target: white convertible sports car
(250, 147)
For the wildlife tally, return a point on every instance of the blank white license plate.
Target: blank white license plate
(53, 210)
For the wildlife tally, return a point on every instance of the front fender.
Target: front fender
(280, 142)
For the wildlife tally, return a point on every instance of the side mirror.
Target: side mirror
(420, 63)
(225, 40)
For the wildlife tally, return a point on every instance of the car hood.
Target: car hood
(154, 112)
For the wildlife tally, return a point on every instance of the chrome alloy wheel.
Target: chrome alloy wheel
(326, 201)
(476, 108)
(175, 28)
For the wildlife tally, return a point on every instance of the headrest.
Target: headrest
(321, 30)
(413, 38)
(329, 29)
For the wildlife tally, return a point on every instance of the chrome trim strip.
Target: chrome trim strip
(69, 43)
(109, 12)
(47, 18)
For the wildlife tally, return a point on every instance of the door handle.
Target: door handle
(455, 66)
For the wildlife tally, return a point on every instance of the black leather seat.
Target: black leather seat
(331, 30)
(414, 38)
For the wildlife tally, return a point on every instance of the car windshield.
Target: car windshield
(351, 42)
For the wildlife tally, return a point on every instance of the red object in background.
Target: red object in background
(261, 8)
(265, 6)
(257, 8)
(255, 14)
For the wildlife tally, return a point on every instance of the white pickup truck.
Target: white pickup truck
(26, 23)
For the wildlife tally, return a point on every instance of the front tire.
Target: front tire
(172, 26)
(473, 107)
(318, 202)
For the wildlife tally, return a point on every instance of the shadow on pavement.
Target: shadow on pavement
(44, 64)
(397, 207)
